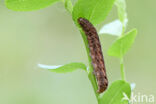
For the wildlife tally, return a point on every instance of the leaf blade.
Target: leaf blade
(115, 93)
(120, 47)
(64, 68)
(93, 10)
(28, 5)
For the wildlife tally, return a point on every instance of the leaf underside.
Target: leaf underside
(64, 68)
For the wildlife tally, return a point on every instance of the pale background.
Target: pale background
(49, 36)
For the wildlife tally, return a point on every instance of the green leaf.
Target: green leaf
(28, 5)
(93, 10)
(64, 68)
(118, 93)
(123, 44)
(121, 5)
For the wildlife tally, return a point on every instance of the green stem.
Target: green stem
(69, 6)
(91, 76)
(94, 84)
(122, 69)
(123, 30)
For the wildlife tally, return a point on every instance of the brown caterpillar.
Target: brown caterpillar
(95, 53)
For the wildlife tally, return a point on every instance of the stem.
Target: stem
(123, 30)
(122, 69)
(94, 84)
(91, 76)
(69, 6)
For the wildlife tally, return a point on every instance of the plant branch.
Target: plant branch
(69, 6)
(122, 69)
(91, 76)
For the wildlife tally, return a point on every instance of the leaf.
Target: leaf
(64, 68)
(113, 28)
(118, 93)
(93, 10)
(28, 5)
(123, 44)
(121, 5)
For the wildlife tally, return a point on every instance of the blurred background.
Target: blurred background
(49, 36)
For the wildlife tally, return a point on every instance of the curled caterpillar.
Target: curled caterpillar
(95, 53)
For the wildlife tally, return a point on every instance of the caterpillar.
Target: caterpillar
(95, 53)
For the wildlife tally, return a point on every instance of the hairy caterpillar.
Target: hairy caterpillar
(95, 53)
